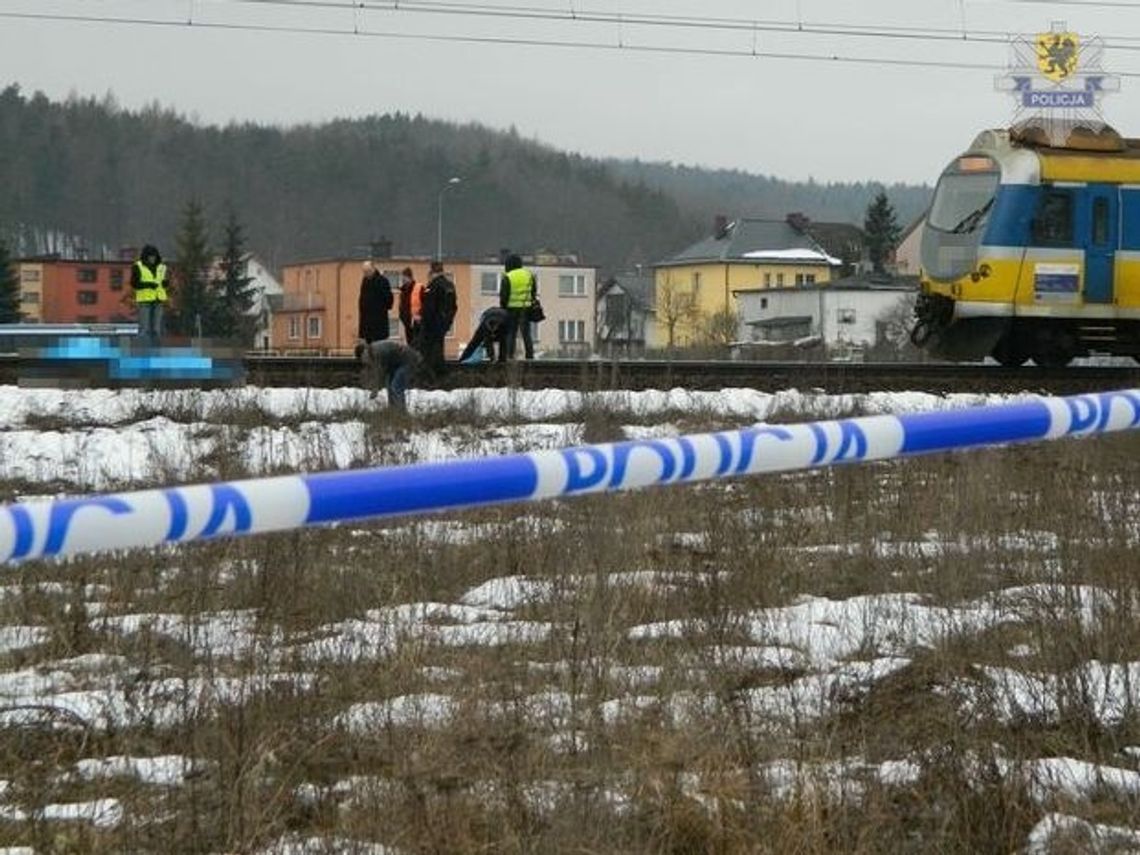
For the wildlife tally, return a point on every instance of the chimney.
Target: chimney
(720, 226)
(798, 221)
(381, 247)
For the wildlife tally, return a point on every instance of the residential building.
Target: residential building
(567, 290)
(318, 307)
(844, 241)
(625, 313)
(698, 283)
(56, 290)
(318, 310)
(267, 295)
(848, 312)
(907, 255)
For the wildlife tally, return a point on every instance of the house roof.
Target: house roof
(641, 288)
(750, 240)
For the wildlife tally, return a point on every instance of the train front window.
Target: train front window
(963, 199)
(958, 215)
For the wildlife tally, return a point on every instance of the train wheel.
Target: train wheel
(1052, 358)
(1053, 349)
(1008, 352)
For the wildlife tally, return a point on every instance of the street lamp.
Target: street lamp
(451, 182)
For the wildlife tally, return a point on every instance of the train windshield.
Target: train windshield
(957, 217)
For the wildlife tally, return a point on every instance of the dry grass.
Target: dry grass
(587, 737)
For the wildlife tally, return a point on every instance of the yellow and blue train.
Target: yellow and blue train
(1031, 250)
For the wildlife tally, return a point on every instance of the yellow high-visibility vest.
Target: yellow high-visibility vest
(152, 290)
(522, 288)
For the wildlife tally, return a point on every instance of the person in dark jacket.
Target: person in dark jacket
(492, 330)
(148, 281)
(411, 304)
(518, 289)
(439, 305)
(375, 302)
(395, 363)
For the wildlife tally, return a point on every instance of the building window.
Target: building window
(489, 283)
(29, 276)
(572, 285)
(314, 328)
(571, 331)
(763, 302)
(779, 280)
(294, 327)
(86, 274)
(845, 316)
(87, 298)
(116, 280)
(30, 297)
(809, 278)
(767, 280)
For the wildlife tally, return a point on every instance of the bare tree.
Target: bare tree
(676, 310)
(722, 326)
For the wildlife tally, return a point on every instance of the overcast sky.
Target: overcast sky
(681, 85)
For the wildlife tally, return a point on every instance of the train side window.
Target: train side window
(1100, 221)
(1053, 224)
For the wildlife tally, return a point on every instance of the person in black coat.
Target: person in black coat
(492, 330)
(439, 306)
(375, 302)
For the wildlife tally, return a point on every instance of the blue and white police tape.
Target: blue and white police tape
(184, 514)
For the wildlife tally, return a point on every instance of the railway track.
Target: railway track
(591, 375)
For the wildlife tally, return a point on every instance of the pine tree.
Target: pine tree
(234, 288)
(194, 305)
(9, 289)
(881, 231)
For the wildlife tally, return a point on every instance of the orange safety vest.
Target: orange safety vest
(417, 301)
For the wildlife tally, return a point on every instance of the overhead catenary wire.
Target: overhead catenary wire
(659, 20)
(572, 16)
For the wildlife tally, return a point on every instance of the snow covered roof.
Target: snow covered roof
(799, 255)
(755, 240)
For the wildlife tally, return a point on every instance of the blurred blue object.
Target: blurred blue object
(123, 363)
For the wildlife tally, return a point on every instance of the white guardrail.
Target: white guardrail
(71, 526)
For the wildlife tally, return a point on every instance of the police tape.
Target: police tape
(72, 526)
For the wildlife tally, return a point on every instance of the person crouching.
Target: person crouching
(396, 363)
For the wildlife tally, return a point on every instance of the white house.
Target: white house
(848, 312)
(266, 287)
(626, 303)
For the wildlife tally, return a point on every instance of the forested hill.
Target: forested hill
(707, 193)
(115, 178)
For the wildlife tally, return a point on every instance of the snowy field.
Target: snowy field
(933, 655)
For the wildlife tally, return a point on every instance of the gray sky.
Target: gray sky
(663, 94)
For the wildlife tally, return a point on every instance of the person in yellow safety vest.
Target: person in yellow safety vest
(148, 279)
(518, 289)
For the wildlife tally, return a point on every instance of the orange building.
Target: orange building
(318, 309)
(74, 291)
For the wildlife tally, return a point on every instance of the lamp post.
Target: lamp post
(451, 182)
